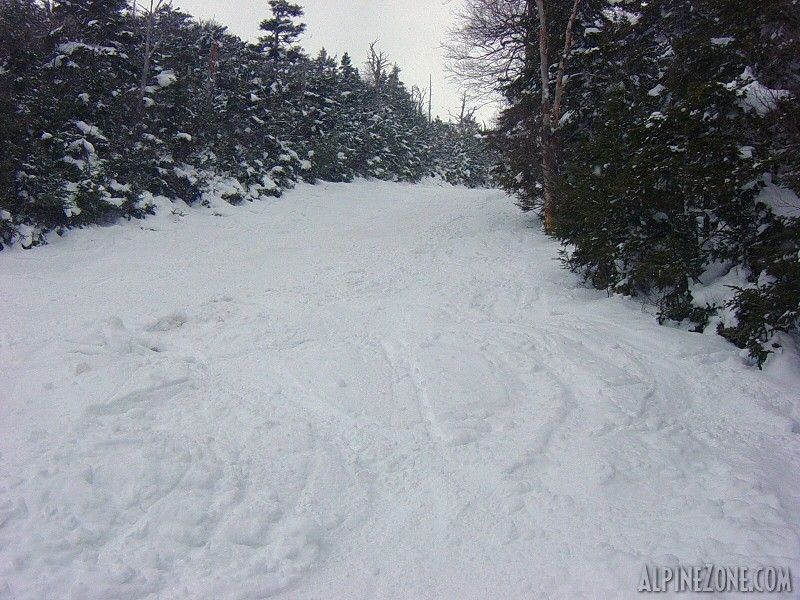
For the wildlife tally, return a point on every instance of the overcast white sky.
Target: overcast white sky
(408, 31)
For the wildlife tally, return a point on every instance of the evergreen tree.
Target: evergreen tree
(350, 133)
(27, 155)
(321, 126)
(176, 119)
(284, 74)
(281, 31)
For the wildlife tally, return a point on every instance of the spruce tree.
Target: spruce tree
(281, 32)
(32, 196)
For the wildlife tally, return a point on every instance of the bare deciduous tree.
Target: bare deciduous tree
(486, 49)
(466, 112)
(376, 69)
(376, 65)
(499, 41)
(418, 97)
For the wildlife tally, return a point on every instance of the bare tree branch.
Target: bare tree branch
(562, 64)
(486, 48)
(150, 45)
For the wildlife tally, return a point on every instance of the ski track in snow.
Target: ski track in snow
(368, 391)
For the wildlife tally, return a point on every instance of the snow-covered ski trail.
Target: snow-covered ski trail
(368, 391)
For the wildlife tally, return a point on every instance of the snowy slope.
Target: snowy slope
(368, 391)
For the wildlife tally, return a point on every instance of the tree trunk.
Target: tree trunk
(547, 134)
(562, 64)
(549, 143)
(150, 47)
(148, 52)
(551, 109)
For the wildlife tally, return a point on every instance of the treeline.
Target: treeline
(660, 141)
(101, 109)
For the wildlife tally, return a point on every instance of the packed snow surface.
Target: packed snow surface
(368, 391)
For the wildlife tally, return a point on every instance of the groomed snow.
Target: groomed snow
(368, 391)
